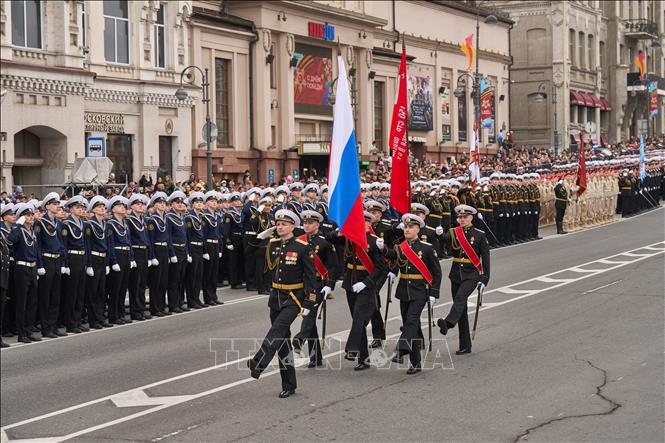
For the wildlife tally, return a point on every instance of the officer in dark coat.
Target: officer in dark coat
(250, 226)
(560, 204)
(73, 285)
(97, 267)
(419, 283)
(294, 292)
(326, 261)
(232, 237)
(28, 269)
(158, 273)
(196, 238)
(121, 259)
(143, 253)
(48, 231)
(178, 252)
(464, 276)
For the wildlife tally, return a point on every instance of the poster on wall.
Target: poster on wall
(313, 77)
(461, 118)
(420, 100)
(446, 134)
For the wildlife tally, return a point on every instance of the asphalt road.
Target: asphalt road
(576, 355)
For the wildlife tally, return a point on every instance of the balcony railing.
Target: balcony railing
(641, 29)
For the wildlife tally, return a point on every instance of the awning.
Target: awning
(596, 101)
(588, 100)
(605, 105)
(576, 98)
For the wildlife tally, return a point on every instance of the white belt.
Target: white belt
(212, 241)
(98, 254)
(29, 264)
(122, 248)
(180, 245)
(161, 243)
(196, 243)
(76, 252)
(48, 255)
(139, 247)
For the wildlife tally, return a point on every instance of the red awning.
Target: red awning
(596, 101)
(576, 98)
(605, 105)
(588, 100)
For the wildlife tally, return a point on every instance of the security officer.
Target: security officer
(419, 283)
(73, 285)
(28, 269)
(212, 248)
(365, 269)
(325, 262)
(97, 266)
(143, 251)
(294, 292)
(158, 278)
(560, 204)
(196, 238)
(48, 232)
(232, 237)
(470, 271)
(121, 259)
(178, 252)
(250, 222)
(4, 280)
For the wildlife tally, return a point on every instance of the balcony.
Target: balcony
(641, 29)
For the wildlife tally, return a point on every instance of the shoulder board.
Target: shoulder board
(425, 243)
(479, 230)
(272, 240)
(303, 242)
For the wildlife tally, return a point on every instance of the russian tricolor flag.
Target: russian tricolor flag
(345, 202)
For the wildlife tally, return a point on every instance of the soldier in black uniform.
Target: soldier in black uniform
(427, 233)
(560, 204)
(265, 221)
(97, 267)
(143, 249)
(121, 259)
(325, 261)
(73, 285)
(465, 278)
(294, 292)
(419, 283)
(232, 237)
(250, 227)
(196, 239)
(178, 252)
(626, 190)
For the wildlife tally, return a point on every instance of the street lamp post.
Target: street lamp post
(541, 95)
(654, 46)
(181, 94)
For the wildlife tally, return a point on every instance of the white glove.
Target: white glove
(149, 263)
(326, 290)
(132, 264)
(155, 262)
(400, 226)
(380, 243)
(304, 312)
(518, 212)
(68, 271)
(20, 221)
(116, 267)
(359, 287)
(480, 216)
(432, 300)
(41, 271)
(261, 208)
(439, 230)
(108, 270)
(481, 285)
(500, 215)
(266, 234)
(206, 256)
(63, 270)
(391, 277)
(229, 247)
(219, 254)
(189, 259)
(89, 272)
(173, 259)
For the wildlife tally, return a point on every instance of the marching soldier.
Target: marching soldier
(419, 283)
(73, 285)
(325, 262)
(212, 251)
(470, 271)
(178, 252)
(158, 278)
(27, 271)
(121, 259)
(294, 292)
(143, 253)
(48, 232)
(427, 233)
(97, 266)
(196, 237)
(365, 269)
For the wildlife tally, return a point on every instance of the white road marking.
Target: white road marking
(180, 399)
(601, 287)
(136, 398)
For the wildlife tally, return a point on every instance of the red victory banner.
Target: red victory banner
(400, 189)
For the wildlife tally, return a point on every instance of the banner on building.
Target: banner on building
(420, 100)
(312, 79)
(444, 99)
(653, 99)
(461, 118)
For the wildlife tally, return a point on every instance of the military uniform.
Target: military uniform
(194, 272)
(4, 280)
(250, 222)
(158, 272)
(48, 233)
(73, 285)
(232, 236)
(98, 263)
(121, 259)
(138, 281)
(178, 258)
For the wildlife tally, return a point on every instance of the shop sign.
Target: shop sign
(314, 148)
(104, 122)
(321, 30)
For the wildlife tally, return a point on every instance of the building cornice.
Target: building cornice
(41, 85)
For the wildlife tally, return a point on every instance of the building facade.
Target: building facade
(573, 68)
(74, 69)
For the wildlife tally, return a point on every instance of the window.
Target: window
(160, 51)
(581, 114)
(571, 46)
(582, 53)
(378, 116)
(116, 31)
(119, 151)
(26, 23)
(592, 55)
(573, 113)
(601, 54)
(222, 101)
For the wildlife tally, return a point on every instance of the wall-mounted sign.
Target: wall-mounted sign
(168, 126)
(104, 122)
(314, 148)
(95, 147)
(321, 30)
